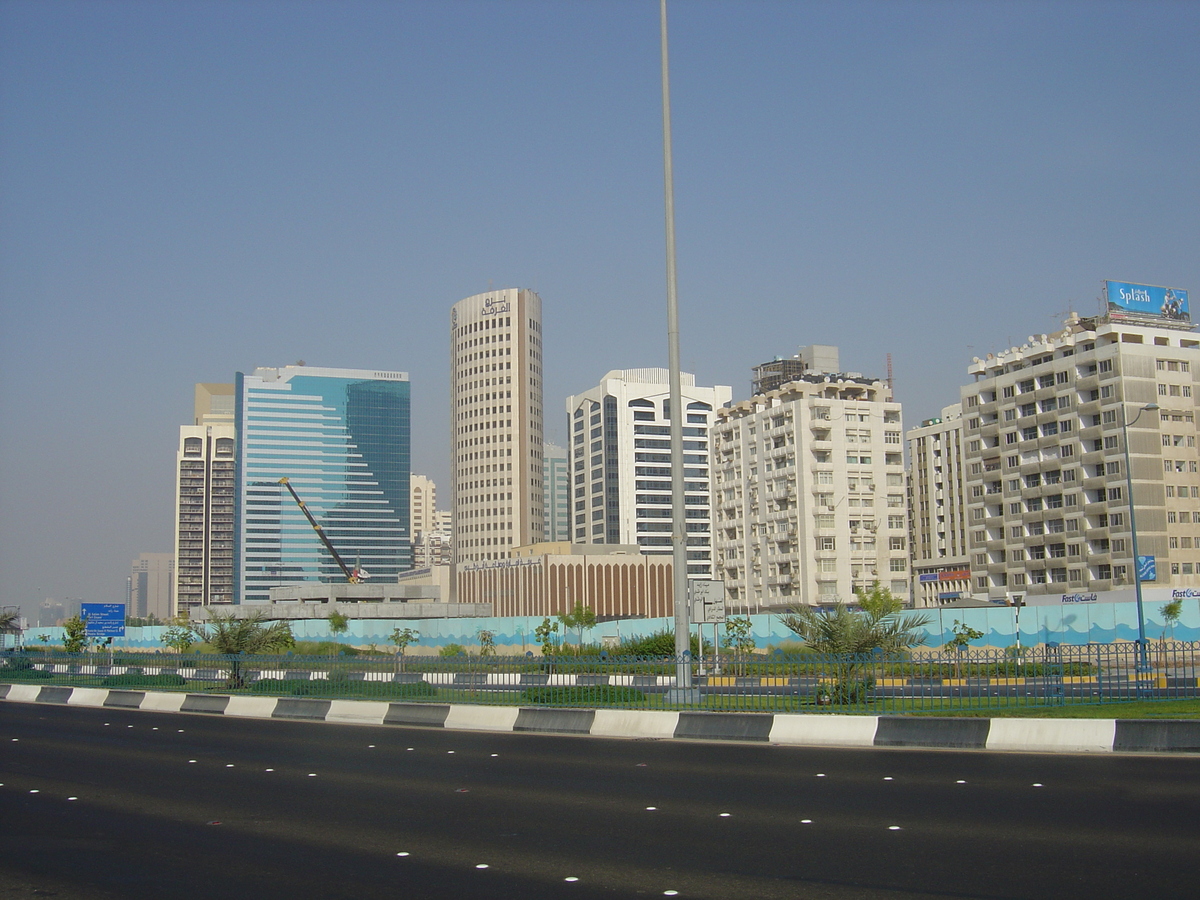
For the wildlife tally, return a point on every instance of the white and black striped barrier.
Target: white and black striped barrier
(813, 730)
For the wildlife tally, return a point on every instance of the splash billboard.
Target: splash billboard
(1144, 300)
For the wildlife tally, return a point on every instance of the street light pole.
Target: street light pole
(683, 669)
(1143, 664)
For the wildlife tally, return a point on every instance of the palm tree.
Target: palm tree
(10, 623)
(852, 634)
(227, 634)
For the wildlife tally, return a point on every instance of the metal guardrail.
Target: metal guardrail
(927, 681)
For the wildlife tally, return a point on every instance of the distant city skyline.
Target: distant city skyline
(193, 190)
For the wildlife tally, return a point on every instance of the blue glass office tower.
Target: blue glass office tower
(342, 439)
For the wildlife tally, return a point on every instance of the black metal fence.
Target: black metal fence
(976, 679)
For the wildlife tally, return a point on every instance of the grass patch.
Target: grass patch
(134, 679)
(1123, 709)
(584, 695)
(363, 690)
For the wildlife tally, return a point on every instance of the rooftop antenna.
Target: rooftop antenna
(891, 384)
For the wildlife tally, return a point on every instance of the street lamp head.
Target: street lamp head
(1150, 407)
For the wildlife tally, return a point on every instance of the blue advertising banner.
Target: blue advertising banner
(1147, 300)
(103, 619)
(1147, 569)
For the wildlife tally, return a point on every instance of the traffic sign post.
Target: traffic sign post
(707, 599)
(103, 619)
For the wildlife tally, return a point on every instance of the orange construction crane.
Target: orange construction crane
(354, 576)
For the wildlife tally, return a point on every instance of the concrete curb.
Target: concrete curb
(1026, 735)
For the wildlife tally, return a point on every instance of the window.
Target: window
(1106, 365)
(896, 543)
(1115, 493)
(1009, 391)
(826, 543)
(897, 565)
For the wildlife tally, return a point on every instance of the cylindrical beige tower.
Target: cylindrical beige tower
(496, 423)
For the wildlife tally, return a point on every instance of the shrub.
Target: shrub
(584, 695)
(133, 679)
(452, 650)
(324, 648)
(661, 643)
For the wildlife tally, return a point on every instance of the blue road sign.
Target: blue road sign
(103, 619)
(1147, 570)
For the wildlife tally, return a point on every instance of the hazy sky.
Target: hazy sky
(190, 189)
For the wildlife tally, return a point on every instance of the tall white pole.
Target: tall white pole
(683, 671)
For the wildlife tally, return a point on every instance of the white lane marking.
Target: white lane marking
(651, 808)
(724, 815)
(893, 828)
(1037, 784)
(887, 778)
(495, 754)
(191, 760)
(35, 791)
(312, 774)
(670, 893)
(402, 853)
(229, 765)
(408, 748)
(72, 798)
(960, 781)
(570, 878)
(481, 866)
(268, 770)
(806, 821)
(155, 728)
(449, 751)
(370, 746)
(820, 774)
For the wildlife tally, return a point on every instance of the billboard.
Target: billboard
(1147, 300)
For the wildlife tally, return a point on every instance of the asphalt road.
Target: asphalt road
(116, 804)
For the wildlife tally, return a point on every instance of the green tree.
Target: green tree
(179, 636)
(579, 618)
(452, 650)
(75, 639)
(487, 643)
(232, 636)
(852, 634)
(737, 639)
(1171, 613)
(402, 637)
(338, 623)
(963, 635)
(544, 635)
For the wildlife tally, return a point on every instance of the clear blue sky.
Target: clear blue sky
(192, 188)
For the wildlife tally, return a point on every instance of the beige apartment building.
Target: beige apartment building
(810, 492)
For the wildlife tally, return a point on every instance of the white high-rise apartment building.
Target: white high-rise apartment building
(621, 463)
(1048, 508)
(205, 470)
(810, 493)
(941, 564)
(496, 423)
